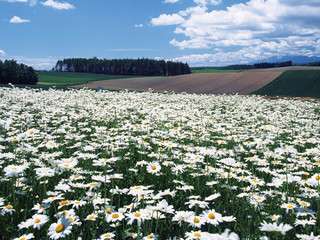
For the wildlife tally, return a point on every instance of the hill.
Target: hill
(295, 83)
(242, 82)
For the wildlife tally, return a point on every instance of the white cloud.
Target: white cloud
(130, 50)
(58, 5)
(46, 63)
(171, 1)
(243, 29)
(207, 2)
(138, 25)
(30, 2)
(18, 20)
(167, 19)
(2, 53)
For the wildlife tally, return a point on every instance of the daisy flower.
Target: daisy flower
(274, 227)
(153, 168)
(61, 229)
(134, 216)
(7, 209)
(196, 221)
(115, 217)
(151, 236)
(288, 206)
(107, 236)
(38, 220)
(212, 217)
(25, 237)
(14, 170)
(92, 217)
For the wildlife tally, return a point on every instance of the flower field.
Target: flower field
(82, 164)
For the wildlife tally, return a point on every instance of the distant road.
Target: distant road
(243, 82)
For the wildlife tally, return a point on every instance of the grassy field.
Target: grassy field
(69, 79)
(212, 70)
(297, 83)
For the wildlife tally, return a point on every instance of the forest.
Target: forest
(14, 73)
(139, 67)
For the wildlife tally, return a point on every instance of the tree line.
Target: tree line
(259, 65)
(273, 65)
(313, 64)
(142, 67)
(12, 72)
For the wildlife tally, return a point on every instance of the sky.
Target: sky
(200, 32)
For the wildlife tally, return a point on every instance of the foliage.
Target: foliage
(14, 73)
(82, 164)
(297, 83)
(238, 67)
(142, 67)
(316, 64)
(272, 65)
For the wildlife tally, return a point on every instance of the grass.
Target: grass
(294, 83)
(212, 70)
(70, 79)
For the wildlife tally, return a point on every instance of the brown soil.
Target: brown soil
(243, 82)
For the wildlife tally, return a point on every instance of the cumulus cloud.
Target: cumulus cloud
(167, 19)
(249, 54)
(45, 63)
(140, 25)
(171, 1)
(58, 5)
(18, 20)
(207, 2)
(30, 2)
(274, 26)
(2, 53)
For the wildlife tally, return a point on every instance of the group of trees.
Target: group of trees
(251, 66)
(313, 64)
(142, 67)
(12, 72)
(260, 65)
(273, 65)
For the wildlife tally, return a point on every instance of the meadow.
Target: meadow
(65, 79)
(81, 164)
(297, 83)
(213, 70)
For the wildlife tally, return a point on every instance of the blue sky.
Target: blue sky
(201, 32)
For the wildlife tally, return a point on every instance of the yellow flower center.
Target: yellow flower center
(196, 220)
(23, 238)
(37, 220)
(115, 215)
(211, 216)
(290, 206)
(59, 228)
(64, 202)
(137, 214)
(9, 206)
(318, 177)
(153, 167)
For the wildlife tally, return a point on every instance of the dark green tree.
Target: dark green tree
(141, 67)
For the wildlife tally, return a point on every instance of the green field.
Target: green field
(62, 79)
(295, 83)
(212, 70)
